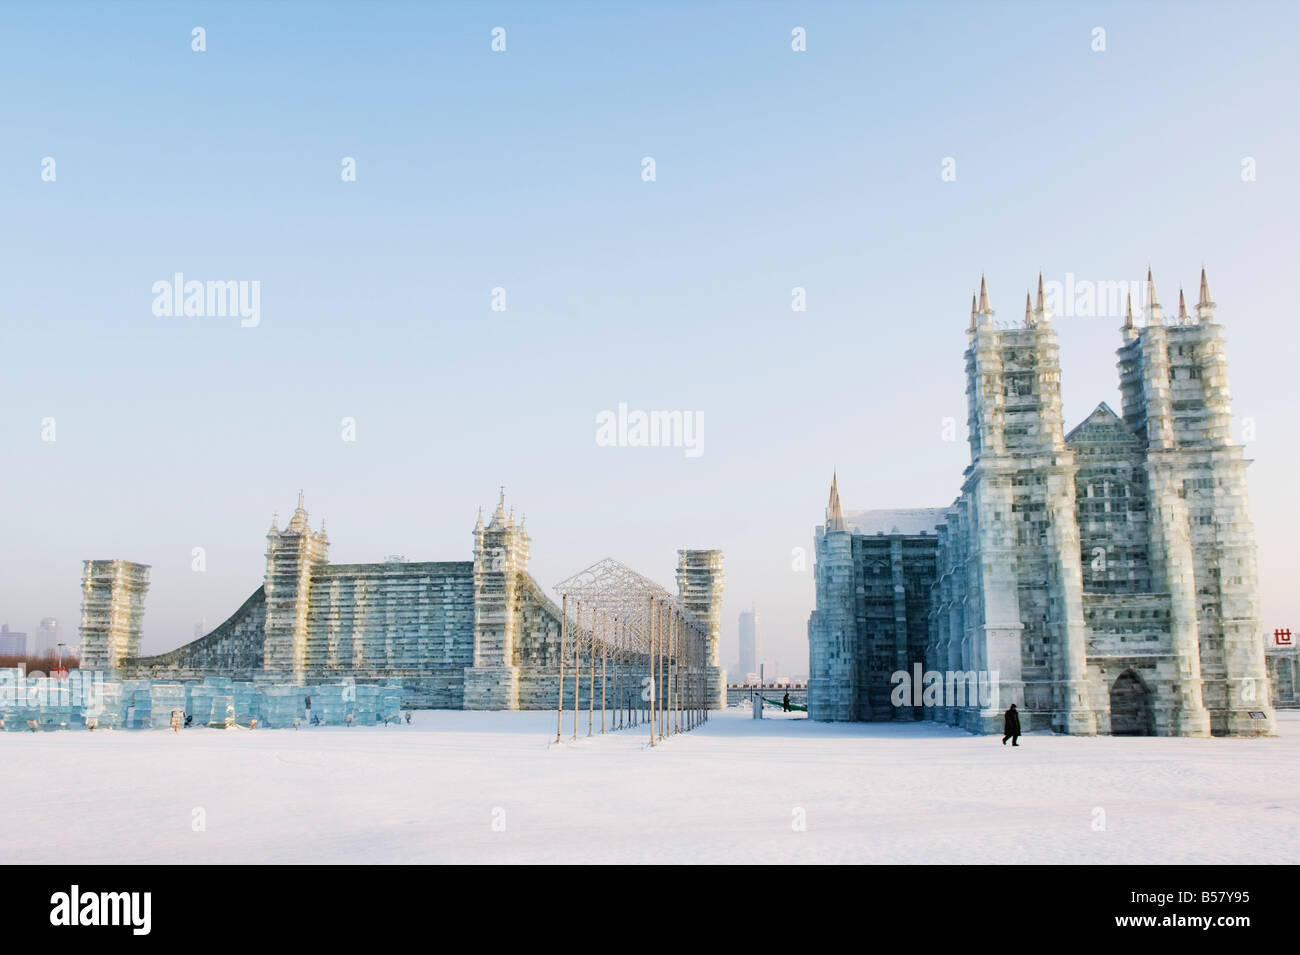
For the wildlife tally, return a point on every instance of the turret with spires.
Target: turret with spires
(1173, 377)
(291, 557)
(1013, 380)
(1177, 404)
(1015, 421)
(502, 540)
(500, 565)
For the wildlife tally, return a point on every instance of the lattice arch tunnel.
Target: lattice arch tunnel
(639, 649)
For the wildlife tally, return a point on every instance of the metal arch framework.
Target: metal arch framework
(650, 649)
(617, 588)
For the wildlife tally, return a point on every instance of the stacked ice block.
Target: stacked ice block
(331, 702)
(104, 705)
(378, 703)
(223, 710)
(282, 703)
(217, 701)
(209, 699)
(54, 701)
(164, 698)
(201, 703)
(13, 696)
(391, 701)
(368, 705)
(248, 702)
(136, 704)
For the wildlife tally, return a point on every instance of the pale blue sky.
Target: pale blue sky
(522, 170)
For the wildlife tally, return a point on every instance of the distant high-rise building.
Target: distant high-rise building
(12, 643)
(748, 642)
(48, 635)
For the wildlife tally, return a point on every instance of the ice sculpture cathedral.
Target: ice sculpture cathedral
(1103, 580)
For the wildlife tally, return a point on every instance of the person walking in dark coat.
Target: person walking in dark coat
(785, 703)
(1011, 726)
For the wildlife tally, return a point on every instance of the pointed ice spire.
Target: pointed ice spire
(974, 312)
(1205, 307)
(1042, 299)
(1029, 312)
(499, 515)
(1154, 312)
(321, 535)
(834, 513)
(298, 522)
(1183, 318)
(1129, 331)
(275, 519)
(985, 308)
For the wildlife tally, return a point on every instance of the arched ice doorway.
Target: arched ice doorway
(1130, 707)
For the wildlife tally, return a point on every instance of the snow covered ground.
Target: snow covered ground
(732, 791)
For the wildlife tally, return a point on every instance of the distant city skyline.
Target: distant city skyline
(41, 640)
(12, 642)
(783, 179)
